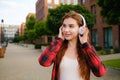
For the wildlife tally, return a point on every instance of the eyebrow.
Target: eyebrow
(68, 24)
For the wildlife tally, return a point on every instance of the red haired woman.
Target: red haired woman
(71, 53)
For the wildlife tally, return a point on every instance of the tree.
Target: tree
(110, 10)
(18, 38)
(55, 16)
(31, 35)
(30, 32)
(30, 22)
(40, 28)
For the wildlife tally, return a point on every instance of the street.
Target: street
(20, 63)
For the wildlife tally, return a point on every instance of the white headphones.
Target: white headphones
(81, 32)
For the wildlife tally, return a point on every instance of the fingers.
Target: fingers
(85, 29)
(61, 27)
(84, 38)
(60, 32)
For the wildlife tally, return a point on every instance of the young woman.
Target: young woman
(71, 53)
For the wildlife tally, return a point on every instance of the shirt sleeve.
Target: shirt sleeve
(48, 56)
(93, 60)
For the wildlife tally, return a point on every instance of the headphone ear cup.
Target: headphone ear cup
(81, 32)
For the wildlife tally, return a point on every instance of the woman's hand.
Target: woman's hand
(83, 39)
(60, 35)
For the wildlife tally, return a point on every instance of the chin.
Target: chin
(68, 38)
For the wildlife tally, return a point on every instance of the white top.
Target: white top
(69, 69)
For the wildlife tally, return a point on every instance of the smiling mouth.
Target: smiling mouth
(66, 35)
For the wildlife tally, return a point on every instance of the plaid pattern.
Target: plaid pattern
(48, 56)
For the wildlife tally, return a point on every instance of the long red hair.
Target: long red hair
(84, 69)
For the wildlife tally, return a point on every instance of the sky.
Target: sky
(14, 12)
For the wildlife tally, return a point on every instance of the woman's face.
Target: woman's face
(70, 29)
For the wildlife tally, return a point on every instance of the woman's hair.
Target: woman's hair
(74, 15)
(83, 67)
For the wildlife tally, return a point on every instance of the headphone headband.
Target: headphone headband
(84, 22)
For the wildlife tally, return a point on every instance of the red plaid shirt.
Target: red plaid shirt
(48, 56)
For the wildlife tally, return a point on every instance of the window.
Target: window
(50, 7)
(94, 38)
(95, 20)
(102, 20)
(75, 2)
(49, 1)
(91, 0)
(93, 9)
(108, 43)
(63, 1)
(82, 1)
(56, 1)
(49, 39)
(69, 2)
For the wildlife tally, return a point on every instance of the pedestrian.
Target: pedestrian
(72, 55)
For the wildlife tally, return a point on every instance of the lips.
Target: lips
(67, 35)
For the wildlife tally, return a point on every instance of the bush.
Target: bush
(102, 52)
(98, 48)
(105, 51)
(117, 50)
(112, 51)
(38, 46)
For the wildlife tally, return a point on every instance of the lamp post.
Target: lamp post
(2, 34)
(2, 47)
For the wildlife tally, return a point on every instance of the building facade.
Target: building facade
(42, 7)
(29, 15)
(8, 32)
(102, 34)
(22, 29)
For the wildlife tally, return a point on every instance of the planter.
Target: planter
(2, 52)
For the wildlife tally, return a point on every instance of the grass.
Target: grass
(115, 63)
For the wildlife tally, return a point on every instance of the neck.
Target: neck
(72, 43)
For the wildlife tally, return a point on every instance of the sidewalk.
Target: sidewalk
(108, 57)
(20, 63)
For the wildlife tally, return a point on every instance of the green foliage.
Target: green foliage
(38, 46)
(105, 51)
(98, 48)
(101, 52)
(18, 38)
(25, 37)
(117, 50)
(30, 22)
(110, 11)
(115, 63)
(40, 28)
(55, 16)
(31, 35)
